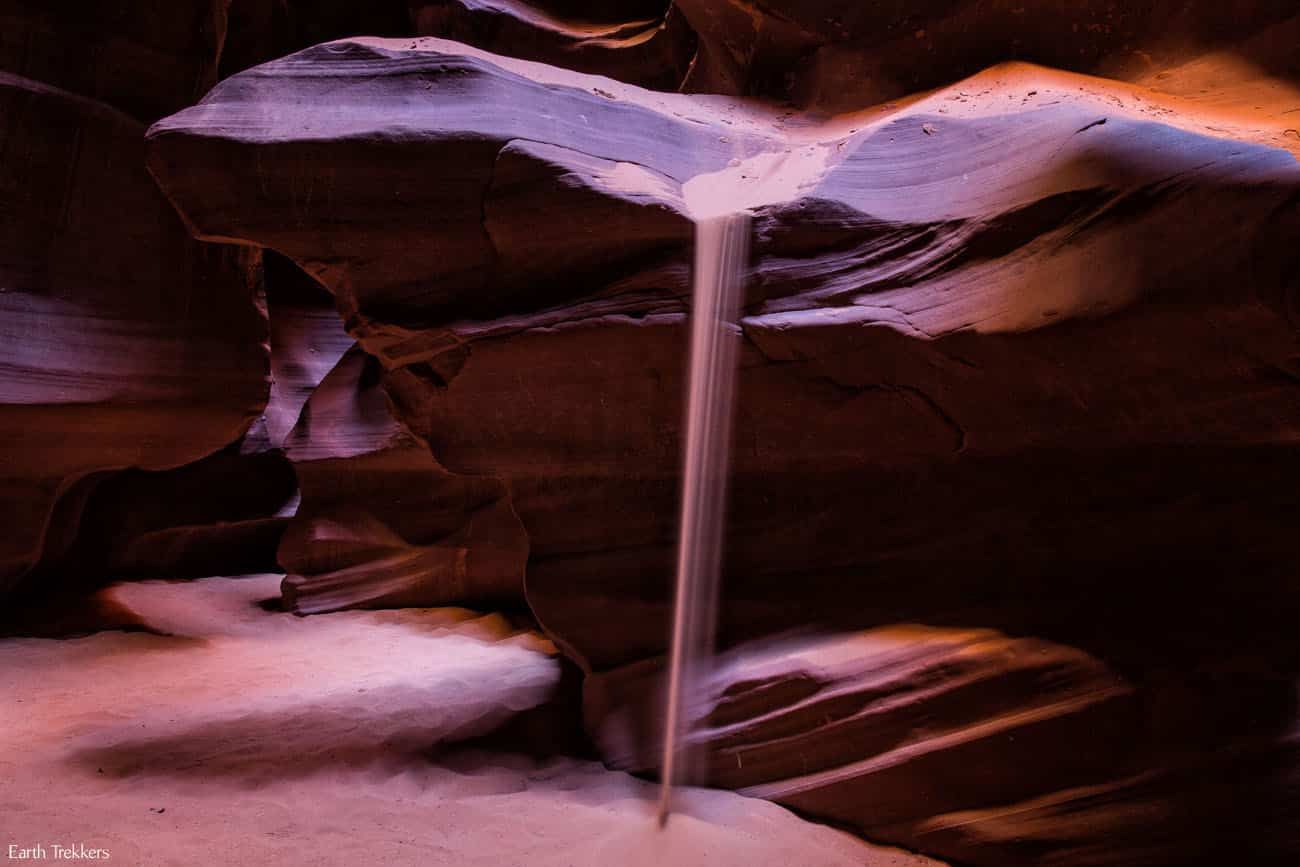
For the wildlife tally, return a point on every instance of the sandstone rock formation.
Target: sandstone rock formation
(128, 344)
(843, 54)
(257, 31)
(885, 729)
(655, 49)
(834, 55)
(1018, 355)
(899, 731)
(125, 343)
(896, 255)
(381, 523)
(1019, 362)
(307, 340)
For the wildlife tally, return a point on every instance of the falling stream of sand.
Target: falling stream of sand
(721, 254)
(719, 204)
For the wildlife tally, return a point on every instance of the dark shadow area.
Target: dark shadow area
(262, 30)
(551, 729)
(67, 614)
(271, 605)
(211, 517)
(383, 727)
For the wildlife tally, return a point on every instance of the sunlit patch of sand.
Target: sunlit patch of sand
(239, 734)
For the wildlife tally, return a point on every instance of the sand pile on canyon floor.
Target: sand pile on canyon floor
(246, 735)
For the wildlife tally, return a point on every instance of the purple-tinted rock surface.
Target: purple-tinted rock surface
(1018, 363)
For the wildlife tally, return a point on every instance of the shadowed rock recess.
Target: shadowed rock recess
(135, 359)
(123, 342)
(1010, 567)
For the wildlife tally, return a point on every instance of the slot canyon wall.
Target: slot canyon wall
(394, 295)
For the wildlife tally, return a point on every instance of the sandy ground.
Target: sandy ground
(248, 736)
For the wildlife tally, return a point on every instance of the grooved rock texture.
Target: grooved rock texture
(124, 342)
(897, 730)
(886, 728)
(835, 53)
(655, 51)
(926, 316)
(307, 340)
(831, 55)
(381, 523)
(258, 31)
(128, 344)
(1019, 354)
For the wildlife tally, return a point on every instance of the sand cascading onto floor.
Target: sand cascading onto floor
(721, 258)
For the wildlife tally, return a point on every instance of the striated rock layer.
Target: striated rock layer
(884, 729)
(136, 358)
(125, 364)
(381, 523)
(899, 731)
(125, 343)
(1019, 355)
(656, 50)
(836, 53)
(905, 272)
(836, 56)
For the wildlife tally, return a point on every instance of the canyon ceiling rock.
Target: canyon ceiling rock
(655, 50)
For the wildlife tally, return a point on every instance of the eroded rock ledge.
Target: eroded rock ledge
(1019, 355)
(928, 311)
